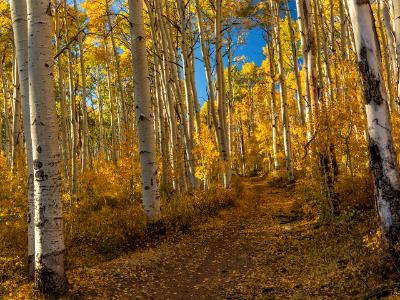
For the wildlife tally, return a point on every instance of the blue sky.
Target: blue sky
(252, 49)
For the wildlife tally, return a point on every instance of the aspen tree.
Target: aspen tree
(66, 150)
(101, 117)
(16, 138)
(383, 159)
(121, 96)
(167, 77)
(74, 130)
(343, 33)
(307, 40)
(284, 106)
(205, 51)
(396, 27)
(49, 239)
(114, 136)
(270, 48)
(7, 126)
(388, 27)
(189, 94)
(160, 95)
(221, 95)
(144, 113)
(386, 56)
(20, 29)
(85, 138)
(295, 66)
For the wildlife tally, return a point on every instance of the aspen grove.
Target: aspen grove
(186, 149)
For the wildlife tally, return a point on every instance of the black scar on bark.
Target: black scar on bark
(390, 195)
(48, 10)
(39, 149)
(37, 164)
(40, 176)
(31, 266)
(47, 281)
(36, 122)
(146, 187)
(372, 92)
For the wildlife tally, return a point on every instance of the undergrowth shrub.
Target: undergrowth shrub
(355, 193)
(13, 227)
(349, 194)
(277, 178)
(308, 195)
(106, 220)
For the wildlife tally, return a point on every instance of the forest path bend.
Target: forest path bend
(259, 249)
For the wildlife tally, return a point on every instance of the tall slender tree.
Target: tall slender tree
(49, 239)
(20, 29)
(144, 113)
(383, 159)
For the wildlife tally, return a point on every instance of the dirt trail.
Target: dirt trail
(257, 250)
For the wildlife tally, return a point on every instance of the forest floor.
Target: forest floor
(264, 247)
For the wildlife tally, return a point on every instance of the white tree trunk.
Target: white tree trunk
(114, 137)
(295, 66)
(205, 51)
(270, 47)
(66, 151)
(74, 130)
(383, 158)
(121, 94)
(144, 114)
(20, 29)
(49, 239)
(284, 106)
(7, 127)
(16, 142)
(189, 113)
(85, 138)
(386, 55)
(225, 154)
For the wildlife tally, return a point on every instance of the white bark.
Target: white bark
(85, 138)
(20, 29)
(396, 25)
(66, 151)
(16, 141)
(284, 107)
(167, 77)
(295, 66)
(221, 95)
(270, 47)
(74, 130)
(189, 113)
(114, 137)
(383, 158)
(49, 240)
(121, 94)
(144, 114)
(6, 95)
(205, 51)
